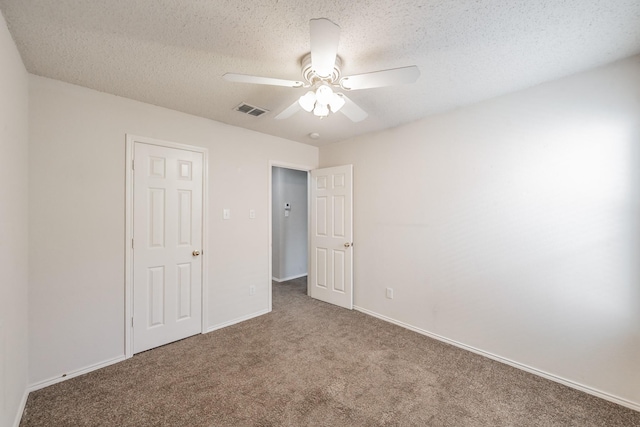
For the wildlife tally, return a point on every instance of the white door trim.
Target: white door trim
(128, 261)
(304, 168)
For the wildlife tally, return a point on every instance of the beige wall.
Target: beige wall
(14, 236)
(77, 183)
(512, 226)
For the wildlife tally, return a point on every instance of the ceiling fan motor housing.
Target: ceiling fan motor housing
(309, 74)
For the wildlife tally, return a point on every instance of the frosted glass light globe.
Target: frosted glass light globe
(321, 110)
(324, 94)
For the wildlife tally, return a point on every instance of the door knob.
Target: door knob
(195, 253)
(347, 245)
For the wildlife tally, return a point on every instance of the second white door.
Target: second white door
(167, 239)
(331, 267)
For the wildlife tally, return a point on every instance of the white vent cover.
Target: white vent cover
(251, 110)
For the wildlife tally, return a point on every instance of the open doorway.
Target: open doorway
(328, 249)
(289, 223)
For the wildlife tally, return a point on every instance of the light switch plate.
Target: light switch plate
(226, 214)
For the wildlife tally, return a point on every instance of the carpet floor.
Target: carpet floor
(308, 363)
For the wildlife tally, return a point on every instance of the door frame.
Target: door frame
(128, 259)
(304, 168)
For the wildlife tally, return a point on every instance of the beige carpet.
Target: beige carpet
(311, 364)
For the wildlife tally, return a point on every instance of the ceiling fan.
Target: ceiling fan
(321, 73)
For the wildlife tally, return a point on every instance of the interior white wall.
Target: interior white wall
(77, 196)
(289, 250)
(14, 234)
(512, 226)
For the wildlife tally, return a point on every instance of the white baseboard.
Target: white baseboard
(23, 403)
(236, 320)
(51, 381)
(275, 279)
(595, 392)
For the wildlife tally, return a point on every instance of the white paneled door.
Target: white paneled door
(167, 245)
(331, 272)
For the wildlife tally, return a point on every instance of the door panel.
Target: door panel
(331, 272)
(167, 224)
(338, 217)
(321, 216)
(156, 296)
(319, 270)
(184, 291)
(184, 217)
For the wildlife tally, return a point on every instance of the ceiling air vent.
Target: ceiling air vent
(250, 109)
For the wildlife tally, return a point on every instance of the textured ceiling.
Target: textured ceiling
(173, 53)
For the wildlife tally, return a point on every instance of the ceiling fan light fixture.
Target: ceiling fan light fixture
(321, 71)
(322, 101)
(308, 101)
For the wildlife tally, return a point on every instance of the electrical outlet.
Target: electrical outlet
(252, 290)
(390, 293)
(252, 213)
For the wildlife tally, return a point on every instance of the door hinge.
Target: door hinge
(133, 165)
(132, 322)
(131, 243)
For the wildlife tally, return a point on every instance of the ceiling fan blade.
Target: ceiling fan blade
(395, 76)
(289, 111)
(324, 46)
(352, 111)
(243, 78)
